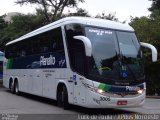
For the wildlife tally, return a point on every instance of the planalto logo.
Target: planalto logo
(131, 88)
(47, 61)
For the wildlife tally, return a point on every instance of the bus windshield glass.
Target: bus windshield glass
(131, 55)
(116, 55)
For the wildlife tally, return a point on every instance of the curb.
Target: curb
(155, 97)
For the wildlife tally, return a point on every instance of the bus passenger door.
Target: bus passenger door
(76, 51)
(79, 89)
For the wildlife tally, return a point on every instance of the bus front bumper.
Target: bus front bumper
(95, 100)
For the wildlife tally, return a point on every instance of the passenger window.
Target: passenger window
(50, 41)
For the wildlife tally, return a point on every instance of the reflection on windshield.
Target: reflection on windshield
(128, 44)
(131, 54)
(104, 59)
(115, 55)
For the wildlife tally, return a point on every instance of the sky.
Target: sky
(123, 9)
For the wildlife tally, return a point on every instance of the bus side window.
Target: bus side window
(23, 53)
(54, 46)
(50, 41)
(57, 41)
(11, 52)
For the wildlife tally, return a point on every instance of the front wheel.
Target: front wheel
(62, 98)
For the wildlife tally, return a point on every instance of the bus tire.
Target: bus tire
(16, 87)
(62, 97)
(12, 87)
(10, 84)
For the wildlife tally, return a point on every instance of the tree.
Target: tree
(79, 12)
(155, 8)
(110, 16)
(148, 30)
(20, 25)
(40, 19)
(3, 24)
(57, 6)
(143, 28)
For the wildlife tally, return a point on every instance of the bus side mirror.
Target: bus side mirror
(87, 44)
(153, 49)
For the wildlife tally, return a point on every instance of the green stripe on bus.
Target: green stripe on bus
(9, 63)
(104, 87)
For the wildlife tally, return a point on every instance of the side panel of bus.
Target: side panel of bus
(38, 63)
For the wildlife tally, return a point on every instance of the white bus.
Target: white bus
(82, 61)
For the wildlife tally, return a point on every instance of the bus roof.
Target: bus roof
(81, 20)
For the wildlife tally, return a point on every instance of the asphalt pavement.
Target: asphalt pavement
(26, 107)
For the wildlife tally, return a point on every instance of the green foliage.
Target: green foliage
(148, 30)
(79, 12)
(3, 24)
(155, 8)
(20, 25)
(110, 16)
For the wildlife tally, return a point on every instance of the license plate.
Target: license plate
(124, 102)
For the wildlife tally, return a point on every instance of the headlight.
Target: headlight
(140, 91)
(100, 91)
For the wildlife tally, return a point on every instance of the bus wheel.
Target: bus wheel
(10, 84)
(12, 88)
(16, 87)
(62, 97)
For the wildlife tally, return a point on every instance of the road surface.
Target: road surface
(34, 105)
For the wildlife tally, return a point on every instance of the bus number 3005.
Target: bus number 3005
(105, 99)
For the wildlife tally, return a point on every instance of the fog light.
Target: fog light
(140, 91)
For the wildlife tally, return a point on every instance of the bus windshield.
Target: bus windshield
(116, 55)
